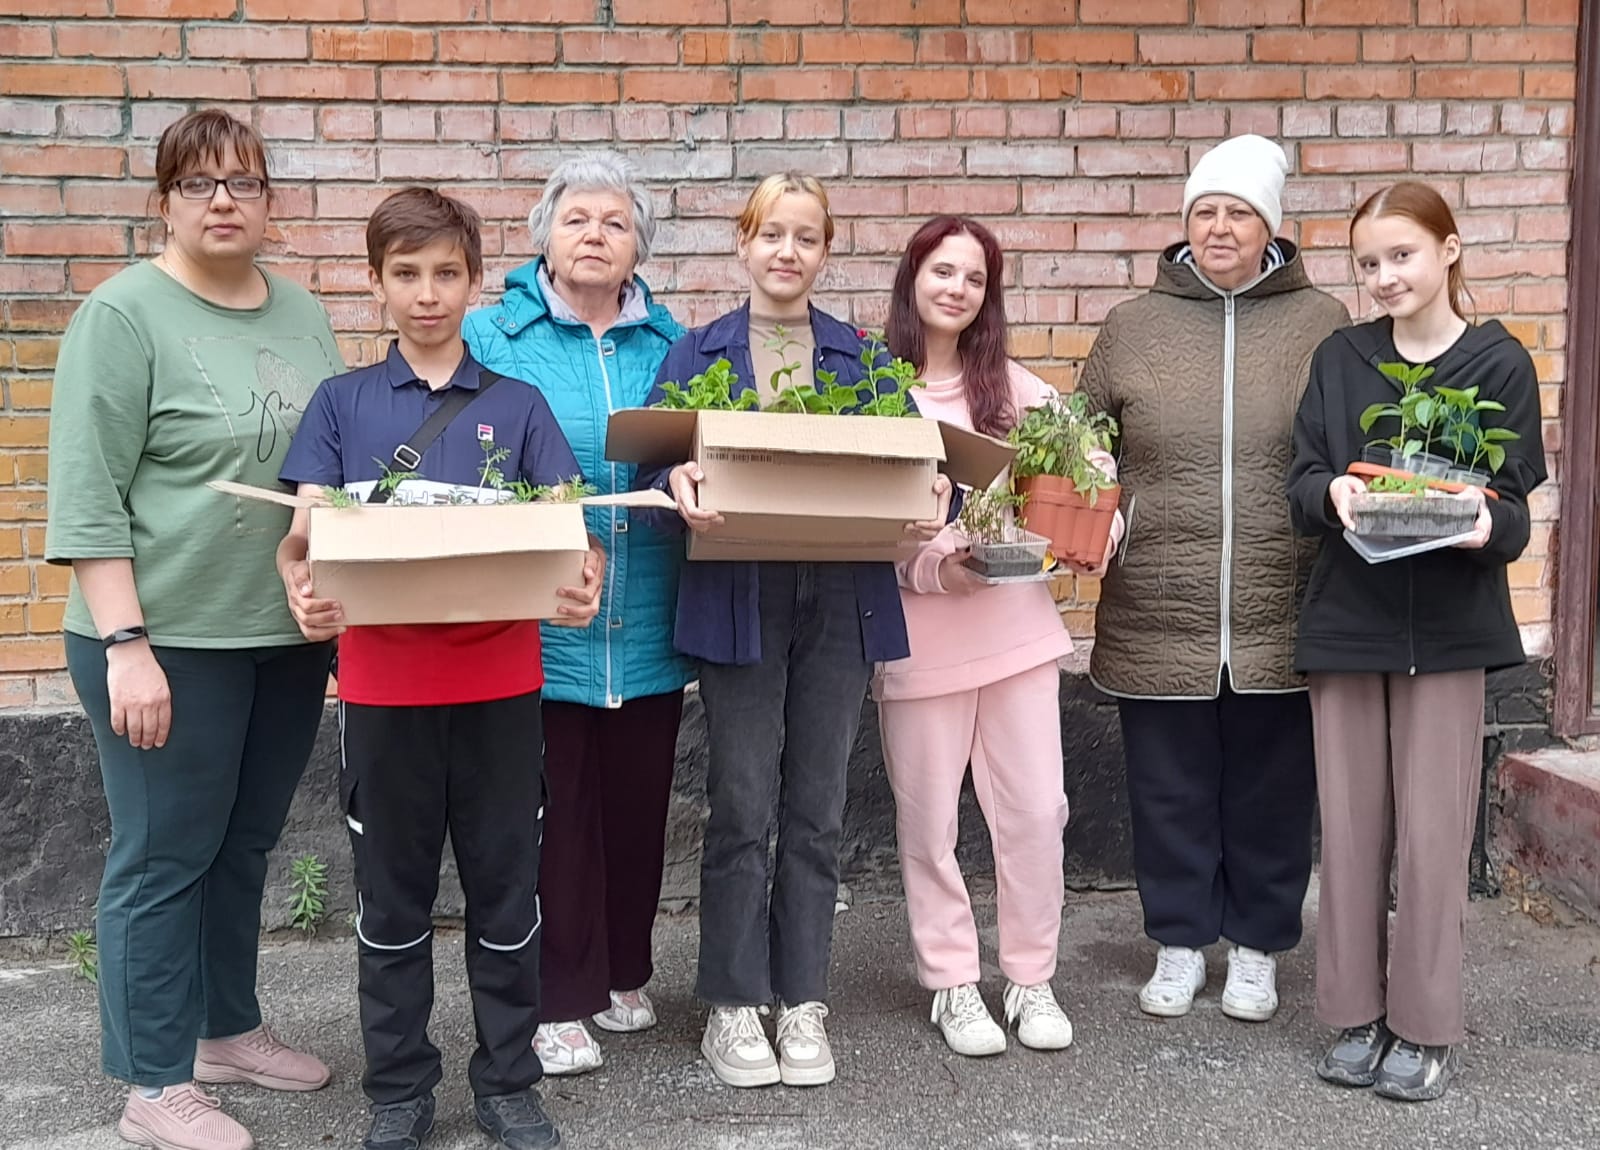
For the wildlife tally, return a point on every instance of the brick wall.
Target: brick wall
(1067, 126)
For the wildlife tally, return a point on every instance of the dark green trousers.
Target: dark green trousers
(191, 825)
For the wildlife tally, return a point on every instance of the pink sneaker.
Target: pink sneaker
(183, 1118)
(257, 1057)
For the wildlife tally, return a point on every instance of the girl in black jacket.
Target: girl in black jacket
(1396, 653)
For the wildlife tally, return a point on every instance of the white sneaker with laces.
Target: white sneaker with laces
(1252, 991)
(966, 1023)
(630, 1011)
(804, 1056)
(566, 1048)
(736, 1047)
(1180, 975)
(1041, 1023)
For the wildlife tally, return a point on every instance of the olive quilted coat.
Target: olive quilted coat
(1205, 384)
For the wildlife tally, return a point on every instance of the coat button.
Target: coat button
(866, 614)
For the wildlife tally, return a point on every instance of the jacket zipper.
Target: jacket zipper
(611, 567)
(1226, 588)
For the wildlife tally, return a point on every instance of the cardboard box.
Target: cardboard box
(446, 564)
(808, 487)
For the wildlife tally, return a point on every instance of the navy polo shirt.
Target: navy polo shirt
(357, 419)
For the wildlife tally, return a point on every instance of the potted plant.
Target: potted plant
(1478, 450)
(1066, 497)
(1417, 410)
(1001, 549)
(1409, 507)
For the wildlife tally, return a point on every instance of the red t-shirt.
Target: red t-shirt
(437, 664)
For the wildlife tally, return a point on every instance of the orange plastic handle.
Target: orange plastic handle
(1373, 470)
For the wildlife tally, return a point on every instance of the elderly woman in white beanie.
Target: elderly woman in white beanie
(1196, 623)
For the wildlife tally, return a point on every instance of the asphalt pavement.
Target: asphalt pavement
(1530, 1074)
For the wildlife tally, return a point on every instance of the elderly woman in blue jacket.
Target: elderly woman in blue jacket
(581, 326)
(786, 651)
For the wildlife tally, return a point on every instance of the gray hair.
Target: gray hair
(594, 172)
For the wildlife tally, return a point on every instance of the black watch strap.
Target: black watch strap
(123, 635)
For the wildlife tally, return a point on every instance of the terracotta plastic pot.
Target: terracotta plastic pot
(1077, 529)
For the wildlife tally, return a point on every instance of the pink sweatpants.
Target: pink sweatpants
(1011, 732)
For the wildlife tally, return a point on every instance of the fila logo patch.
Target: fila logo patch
(485, 433)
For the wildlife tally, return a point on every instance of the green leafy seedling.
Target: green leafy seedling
(338, 497)
(308, 893)
(392, 479)
(710, 390)
(85, 955)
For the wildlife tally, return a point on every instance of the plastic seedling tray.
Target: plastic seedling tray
(1375, 550)
(1019, 557)
(1405, 516)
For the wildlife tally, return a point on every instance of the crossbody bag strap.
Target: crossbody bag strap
(408, 456)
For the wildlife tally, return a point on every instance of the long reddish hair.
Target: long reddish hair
(984, 375)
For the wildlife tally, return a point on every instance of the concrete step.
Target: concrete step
(1549, 821)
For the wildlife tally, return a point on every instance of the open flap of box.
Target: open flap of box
(973, 459)
(657, 499)
(651, 435)
(264, 494)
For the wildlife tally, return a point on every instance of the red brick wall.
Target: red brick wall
(1067, 126)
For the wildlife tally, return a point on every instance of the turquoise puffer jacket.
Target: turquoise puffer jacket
(627, 651)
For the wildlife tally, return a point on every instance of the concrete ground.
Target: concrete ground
(1530, 1079)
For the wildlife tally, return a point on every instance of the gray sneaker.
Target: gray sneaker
(1353, 1058)
(1412, 1072)
(737, 1049)
(804, 1056)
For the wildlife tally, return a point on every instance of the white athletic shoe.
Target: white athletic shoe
(566, 1048)
(1252, 991)
(966, 1023)
(1041, 1023)
(630, 1011)
(1180, 975)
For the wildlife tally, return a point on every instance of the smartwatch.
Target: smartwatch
(123, 635)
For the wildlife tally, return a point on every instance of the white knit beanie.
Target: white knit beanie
(1250, 167)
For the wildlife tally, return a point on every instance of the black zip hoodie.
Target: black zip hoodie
(1446, 610)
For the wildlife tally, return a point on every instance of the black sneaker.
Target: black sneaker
(1414, 1073)
(517, 1121)
(400, 1125)
(1353, 1058)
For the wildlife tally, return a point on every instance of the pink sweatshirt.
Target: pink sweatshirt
(960, 642)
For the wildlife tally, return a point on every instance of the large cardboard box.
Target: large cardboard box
(445, 563)
(808, 487)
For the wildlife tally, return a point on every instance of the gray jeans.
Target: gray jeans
(783, 729)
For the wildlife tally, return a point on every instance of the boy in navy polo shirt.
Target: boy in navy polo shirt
(440, 724)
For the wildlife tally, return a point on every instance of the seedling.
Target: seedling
(1464, 432)
(711, 390)
(308, 893)
(1390, 483)
(338, 497)
(392, 479)
(1000, 548)
(986, 516)
(1059, 438)
(85, 955)
(489, 475)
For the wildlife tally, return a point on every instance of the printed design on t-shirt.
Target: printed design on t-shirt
(260, 387)
(276, 403)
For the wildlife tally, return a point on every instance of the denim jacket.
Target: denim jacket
(719, 602)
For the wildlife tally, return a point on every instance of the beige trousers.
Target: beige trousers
(1399, 763)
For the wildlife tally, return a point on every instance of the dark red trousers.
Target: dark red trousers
(608, 776)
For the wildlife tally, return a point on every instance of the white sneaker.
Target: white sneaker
(1252, 991)
(804, 1056)
(737, 1049)
(1180, 974)
(630, 1011)
(1041, 1023)
(566, 1048)
(966, 1023)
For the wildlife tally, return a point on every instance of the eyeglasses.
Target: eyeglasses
(205, 187)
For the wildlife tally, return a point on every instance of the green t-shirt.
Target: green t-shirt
(157, 392)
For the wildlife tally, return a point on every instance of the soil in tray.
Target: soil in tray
(1004, 568)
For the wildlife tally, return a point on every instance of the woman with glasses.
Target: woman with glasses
(202, 694)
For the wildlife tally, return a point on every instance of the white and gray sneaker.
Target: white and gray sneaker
(1041, 1023)
(804, 1056)
(1252, 991)
(1180, 975)
(566, 1048)
(736, 1047)
(630, 1011)
(966, 1023)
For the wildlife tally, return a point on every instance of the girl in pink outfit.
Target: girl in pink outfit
(981, 684)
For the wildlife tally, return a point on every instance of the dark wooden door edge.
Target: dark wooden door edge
(1576, 542)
